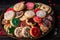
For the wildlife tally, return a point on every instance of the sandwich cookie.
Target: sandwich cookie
(35, 32)
(43, 28)
(45, 8)
(41, 13)
(30, 5)
(25, 32)
(15, 22)
(9, 15)
(29, 14)
(18, 32)
(18, 6)
(19, 14)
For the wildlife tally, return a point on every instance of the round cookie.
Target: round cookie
(29, 14)
(44, 28)
(18, 6)
(35, 32)
(15, 22)
(9, 15)
(18, 32)
(41, 13)
(37, 19)
(19, 14)
(25, 32)
(30, 5)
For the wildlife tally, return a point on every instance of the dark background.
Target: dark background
(54, 34)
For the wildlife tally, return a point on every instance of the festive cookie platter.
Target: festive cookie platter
(27, 20)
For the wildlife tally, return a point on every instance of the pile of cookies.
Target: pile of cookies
(27, 19)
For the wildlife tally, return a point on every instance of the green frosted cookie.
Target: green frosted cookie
(15, 22)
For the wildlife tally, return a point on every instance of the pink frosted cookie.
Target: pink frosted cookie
(30, 5)
(37, 19)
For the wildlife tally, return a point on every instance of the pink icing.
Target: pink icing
(30, 5)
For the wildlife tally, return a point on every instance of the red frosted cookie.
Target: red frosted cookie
(30, 5)
(37, 19)
(35, 32)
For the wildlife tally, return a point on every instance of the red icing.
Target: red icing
(37, 19)
(35, 32)
(10, 9)
(36, 10)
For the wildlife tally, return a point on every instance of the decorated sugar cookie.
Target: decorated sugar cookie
(18, 32)
(44, 28)
(9, 15)
(15, 22)
(18, 6)
(29, 14)
(19, 14)
(25, 32)
(41, 13)
(35, 32)
(30, 5)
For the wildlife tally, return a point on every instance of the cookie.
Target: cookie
(44, 28)
(15, 22)
(45, 8)
(30, 22)
(35, 32)
(19, 14)
(11, 30)
(30, 5)
(37, 19)
(5, 22)
(23, 24)
(23, 18)
(29, 14)
(18, 6)
(25, 32)
(9, 15)
(41, 13)
(18, 32)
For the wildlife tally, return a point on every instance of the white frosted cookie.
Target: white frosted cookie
(25, 32)
(41, 13)
(45, 8)
(18, 32)
(23, 18)
(9, 15)
(29, 14)
(18, 6)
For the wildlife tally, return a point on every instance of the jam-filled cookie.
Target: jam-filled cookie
(9, 15)
(29, 14)
(25, 32)
(15, 22)
(19, 14)
(18, 32)
(41, 13)
(35, 32)
(18, 6)
(30, 5)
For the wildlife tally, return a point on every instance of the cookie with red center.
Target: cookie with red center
(30, 5)
(23, 24)
(37, 9)
(35, 32)
(37, 19)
